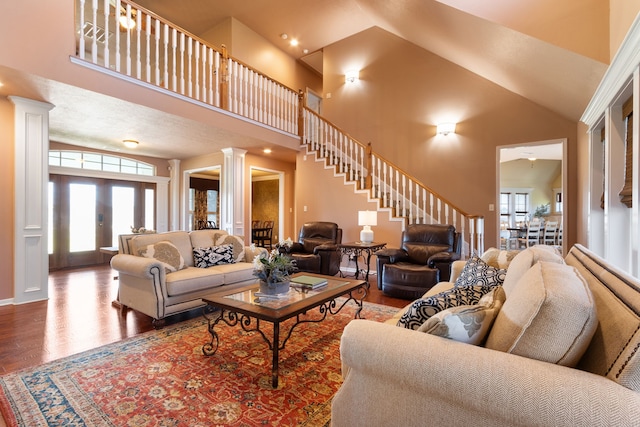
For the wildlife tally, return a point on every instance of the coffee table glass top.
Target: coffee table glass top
(294, 295)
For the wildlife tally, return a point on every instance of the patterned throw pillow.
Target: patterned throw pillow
(478, 272)
(165, 252)
(238, 245)
(215, 255)
(422, 309)
(468, 323)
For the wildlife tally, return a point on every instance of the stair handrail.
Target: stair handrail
(406, 199)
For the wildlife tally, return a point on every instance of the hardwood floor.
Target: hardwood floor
(79, 316)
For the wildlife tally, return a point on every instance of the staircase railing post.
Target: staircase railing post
(302, 102)
(369, 166)
(224, 79)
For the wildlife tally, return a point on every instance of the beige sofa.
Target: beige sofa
(160, 289)
(397, 376)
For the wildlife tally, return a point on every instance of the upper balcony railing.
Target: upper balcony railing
(126, 38)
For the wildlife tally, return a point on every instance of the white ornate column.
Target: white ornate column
(174, 194)
(31, 145)
(232, 191)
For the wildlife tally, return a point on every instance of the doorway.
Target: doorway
(531, 185)
(267, 199)
(86, 214)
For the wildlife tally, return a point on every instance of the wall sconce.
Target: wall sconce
(446, 128)
(130, 143)
(366, 219)
(352, 76)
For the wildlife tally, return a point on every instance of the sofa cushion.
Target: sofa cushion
(165, 252)
(214, 255)
(235, 273)
(468, 323)
(525, 259)
(236, 242)
(192, 279)
(478, 272)
(549, 315)
(422, 309)
(205, 238)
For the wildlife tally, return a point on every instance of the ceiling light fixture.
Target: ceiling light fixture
(127, 23)
(446, 128)
(130, 143)
(294, 42)
(284, 36)
(267, 151)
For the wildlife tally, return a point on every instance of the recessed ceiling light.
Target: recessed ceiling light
(305, 51)
(267, 151)
(284, 36)
(294, 42)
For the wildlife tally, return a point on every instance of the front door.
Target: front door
(89, 213)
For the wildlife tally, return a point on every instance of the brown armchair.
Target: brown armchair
(424, 259)
(316, 250)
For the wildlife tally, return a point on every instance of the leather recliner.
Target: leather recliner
(424, 259)
(316, 250)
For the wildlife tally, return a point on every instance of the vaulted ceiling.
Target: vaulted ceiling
(553, 53)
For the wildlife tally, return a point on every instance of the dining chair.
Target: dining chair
(549, 235)
(532, 236)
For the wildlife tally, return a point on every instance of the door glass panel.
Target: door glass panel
(82, 217)
(122, 212)
(149, 208)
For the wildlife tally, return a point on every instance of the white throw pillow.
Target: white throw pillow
(468, 323)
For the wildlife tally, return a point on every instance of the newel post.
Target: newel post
(369, 166)
(224, 79)
(302, 101)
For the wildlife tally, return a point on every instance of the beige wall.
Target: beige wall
(6, 198)
(405, 91)
(327, 198)
(250, 48)
(622, 13)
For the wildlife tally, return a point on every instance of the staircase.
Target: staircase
(395, 190)
(166, 58)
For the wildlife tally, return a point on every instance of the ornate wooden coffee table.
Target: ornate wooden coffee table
(242, 307)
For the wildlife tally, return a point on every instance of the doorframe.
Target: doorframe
(565, 189)
(184, 197)
(281, 189)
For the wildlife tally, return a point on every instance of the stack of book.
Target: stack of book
(308, 282)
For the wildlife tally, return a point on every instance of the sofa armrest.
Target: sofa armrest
(395, 376)
(456, 269)
(137, 266)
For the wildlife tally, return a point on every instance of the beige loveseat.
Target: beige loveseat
(395, 376)
(158, 276)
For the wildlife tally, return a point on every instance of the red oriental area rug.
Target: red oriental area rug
(161, 378)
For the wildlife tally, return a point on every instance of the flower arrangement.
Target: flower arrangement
(273, 267)
(284, 245)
